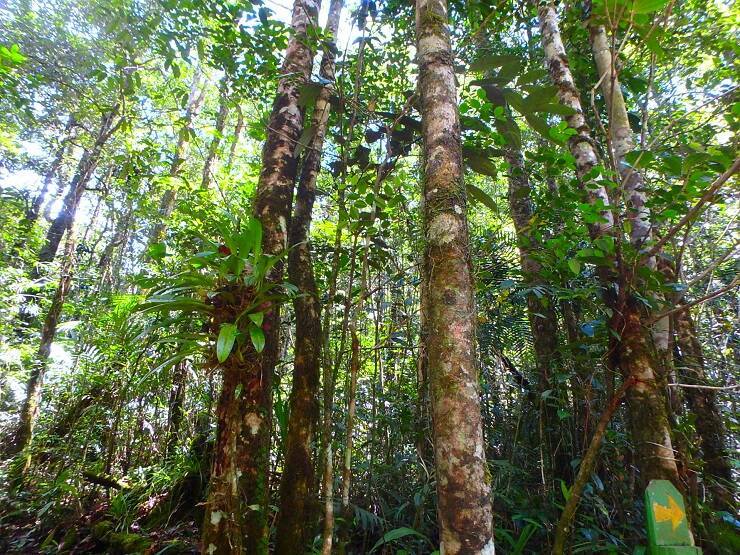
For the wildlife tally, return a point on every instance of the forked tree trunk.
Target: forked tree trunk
(297, 489)
(463, 482)
(34, 211)
(30, 409)
(240, 467)
(633, 351)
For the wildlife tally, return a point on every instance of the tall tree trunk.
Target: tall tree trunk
(218, 131)
(85, 170)
(703, 403)
(29, 411)
(240, 466)
(463, 482)
(167, 202)
(297, 493)
(238, 129)
(633, 351)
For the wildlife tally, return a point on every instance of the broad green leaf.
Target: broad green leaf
(488, 62)
(648, 6)
(574, 265)
(257, 317)
(481, 196)
(480, 164)
(225, 342)
(258, 338)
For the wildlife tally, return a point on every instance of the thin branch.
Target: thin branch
(713, 188)
(714, 294)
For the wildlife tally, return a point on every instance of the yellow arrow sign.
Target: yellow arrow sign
(672, 513)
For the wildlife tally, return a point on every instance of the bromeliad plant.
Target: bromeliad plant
(228, 285)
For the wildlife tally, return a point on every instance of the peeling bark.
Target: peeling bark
(297, 488)
(463, 481)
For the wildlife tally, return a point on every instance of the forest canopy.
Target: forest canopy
(430, 277)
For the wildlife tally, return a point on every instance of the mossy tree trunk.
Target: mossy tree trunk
(463, 482)
(239, 479)
(297, 489)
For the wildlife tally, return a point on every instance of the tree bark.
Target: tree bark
(297, 488)
(177, 399)
(244, 423)
(218, 131)
(34, 211)
(463, 480)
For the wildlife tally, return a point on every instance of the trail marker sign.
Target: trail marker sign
(667, 527)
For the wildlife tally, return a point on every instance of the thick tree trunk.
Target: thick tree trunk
(29, 411)
(218, 131)
(620, 137)
(703, 403)
(297, 488)
(463, 482)
(633, 351)
(244, 445)
(581, 145)
(541, 311)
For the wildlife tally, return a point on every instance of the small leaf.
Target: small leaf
(258, 338)
(226, 337)
(397, 534)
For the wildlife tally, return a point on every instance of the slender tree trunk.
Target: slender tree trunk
(541, 310)
(177, 399)
(238, 129)
(704, 405)
(633, 351)
(297, 494)
(463, 482)
(29, 411)
(167, 202)
(218, 131)
(240, 466)
(105, 265)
